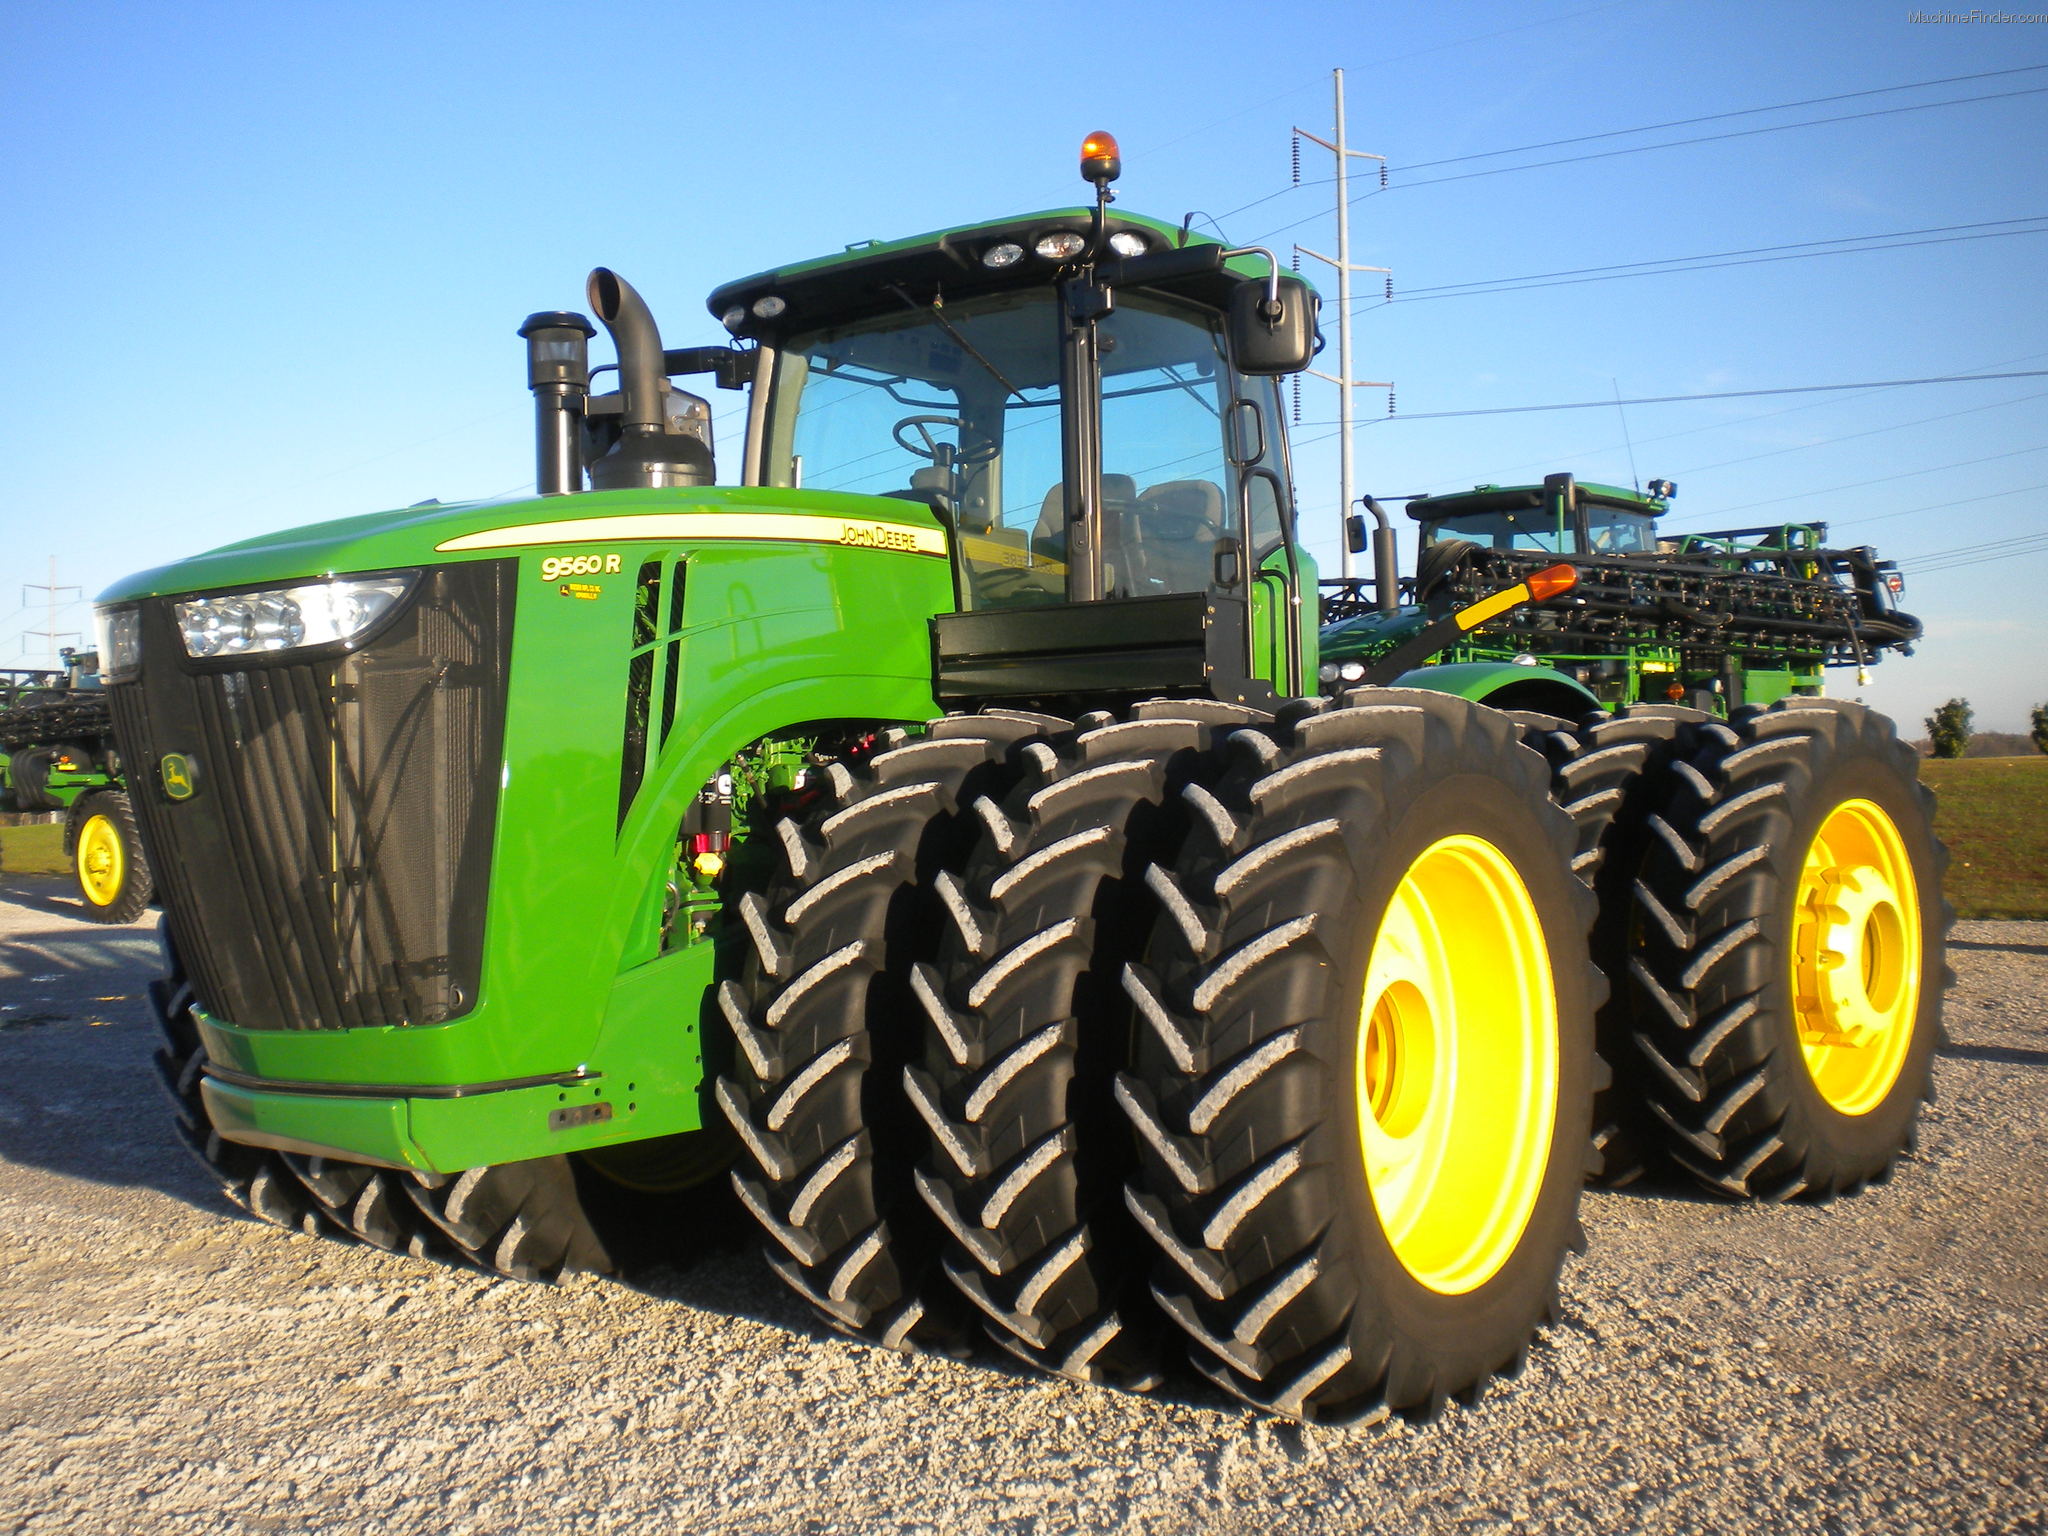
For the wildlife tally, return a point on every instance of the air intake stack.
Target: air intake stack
(558, 373)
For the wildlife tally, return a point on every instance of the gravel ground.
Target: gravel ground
(164, 1366)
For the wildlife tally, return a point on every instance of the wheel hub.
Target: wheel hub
(1856, 956)
(1457, 1064)
(101, 861)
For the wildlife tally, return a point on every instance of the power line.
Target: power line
(1707, 260)
(1715, 117)
(1399, 58)
(1850, 437)
(1938, 506)
(1982, 545)
(1739, 133)
(1857, 485)
(1706, 266)
(1788, 410)
(1724, 394)
(1982, 554)
(1637, 149)
(1619, 133)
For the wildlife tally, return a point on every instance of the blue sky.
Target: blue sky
(266, 261)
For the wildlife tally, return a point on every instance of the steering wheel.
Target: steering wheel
(927, 446)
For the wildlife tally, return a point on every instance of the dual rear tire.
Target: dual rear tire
(1294, 1106)
(1789, 953)
(1363, 1087)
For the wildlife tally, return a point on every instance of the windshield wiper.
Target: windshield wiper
(954, 332)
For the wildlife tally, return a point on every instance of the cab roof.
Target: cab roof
(859, 281)
(1516, 498)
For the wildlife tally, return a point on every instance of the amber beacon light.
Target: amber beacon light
(1101, 161)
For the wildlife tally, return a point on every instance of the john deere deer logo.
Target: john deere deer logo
(179, 775)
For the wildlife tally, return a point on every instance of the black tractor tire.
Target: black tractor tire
(254, 1179)
(1027, 1028)
(664, 1201)
(1256, 1092)
(1611, 773)
(28, 773)
(1729, 919)
(369, 1204)
(513, 1220)
(824, 1021)
(108, 863)
(523, 1220)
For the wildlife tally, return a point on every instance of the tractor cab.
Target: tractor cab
(1084, 402)
(1558, 517)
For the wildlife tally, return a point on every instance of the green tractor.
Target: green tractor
(1712, 620)
(57, 754)
(937, 841)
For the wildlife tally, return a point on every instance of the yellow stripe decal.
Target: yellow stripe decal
(1492, 607)
(1016, 557)
(775, 527)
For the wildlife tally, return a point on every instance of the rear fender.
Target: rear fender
(1506, 685)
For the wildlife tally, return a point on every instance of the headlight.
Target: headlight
(768, 307)
(1127, 242)
(1008, 254)
(1352, 671)
(284, 618)
(1060, 245)
(120, 641)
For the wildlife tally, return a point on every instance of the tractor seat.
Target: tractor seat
(1170, 536)
(1049, 538)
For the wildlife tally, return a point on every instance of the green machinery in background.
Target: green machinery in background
(939, 828)
(1712, 620)
(57, 754)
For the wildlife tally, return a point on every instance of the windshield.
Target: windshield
(957, 407)
(1535, 528)
(1613, 531)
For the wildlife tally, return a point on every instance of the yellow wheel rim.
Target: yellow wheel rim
(1856, 957)
(102, 861)
(1457, 1065)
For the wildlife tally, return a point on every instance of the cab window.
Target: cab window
(1616, 531)
(1531, 528)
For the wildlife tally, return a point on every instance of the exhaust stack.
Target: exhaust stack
(661, 441)
(1386, 579)
(558, 373)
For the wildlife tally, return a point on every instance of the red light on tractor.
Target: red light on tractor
(1101, 161)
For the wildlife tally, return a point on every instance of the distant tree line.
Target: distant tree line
(1949, 734)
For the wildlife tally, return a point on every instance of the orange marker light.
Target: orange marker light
(1546, 583)
(1101, 160)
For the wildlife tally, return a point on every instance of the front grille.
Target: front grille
(329, 872)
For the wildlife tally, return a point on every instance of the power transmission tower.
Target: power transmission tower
(1345, 383)
(51, 591)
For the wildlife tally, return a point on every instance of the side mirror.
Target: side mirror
(1354, 533)
(1264, 343)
